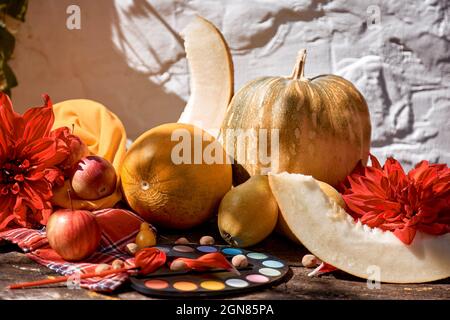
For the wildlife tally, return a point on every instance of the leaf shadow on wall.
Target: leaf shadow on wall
(85, 63)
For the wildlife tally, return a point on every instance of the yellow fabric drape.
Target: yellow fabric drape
(104, 135)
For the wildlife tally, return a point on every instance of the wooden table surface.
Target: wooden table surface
(16, 267)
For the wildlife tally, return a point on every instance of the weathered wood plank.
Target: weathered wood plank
(16, 267)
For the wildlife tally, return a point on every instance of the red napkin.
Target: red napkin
(119, 227)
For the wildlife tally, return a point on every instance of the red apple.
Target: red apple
(73, 234)
(93, 178)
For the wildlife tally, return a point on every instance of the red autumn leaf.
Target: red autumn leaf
(322, 269)
(388, 198)
(208, 261)
(149, 260)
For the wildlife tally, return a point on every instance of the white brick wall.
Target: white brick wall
(128, 55)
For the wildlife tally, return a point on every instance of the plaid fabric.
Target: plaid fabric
(119, 227)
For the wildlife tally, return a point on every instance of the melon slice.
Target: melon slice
(331, 234)
(332, 194)
(211, 76)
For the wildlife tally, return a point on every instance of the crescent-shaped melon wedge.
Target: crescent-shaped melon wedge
(332, 235)
(211, 76)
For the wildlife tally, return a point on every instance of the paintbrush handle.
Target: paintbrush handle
(177, 273)
(65, 278)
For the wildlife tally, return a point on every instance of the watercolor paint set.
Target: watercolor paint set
(263, 270)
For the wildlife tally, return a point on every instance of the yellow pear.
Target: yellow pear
(248, 213)
(146, 236)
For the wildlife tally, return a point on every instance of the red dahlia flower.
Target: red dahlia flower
(388, 198)
(29, 159)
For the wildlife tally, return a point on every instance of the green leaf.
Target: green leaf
(3, 82)
(17, 10)
(7, 78)
(11, 79)
(7, 43)
(14, 8)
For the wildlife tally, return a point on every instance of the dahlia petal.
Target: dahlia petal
(20, 212)
(6, 215)
(434, 229)
(441, 187)
(53, 174)
(391, 165)
(35, 197)
(46, 213)
(389, 199)
(375, 163)
(391, 215)
(15, 189)
(385, 205)
(4, 190)
(35, 175)
(43, 153)
(39, 150)
(43, 188)
(4, 223)
(418, 170)
(4, 145)
(405, 235)
(391, 226)
(355, 185)
(375, 175)
(372, 187)
(29, 154)
(7, 114)
(39, 121)
(358, 209)
(372, 220)
(427, 178)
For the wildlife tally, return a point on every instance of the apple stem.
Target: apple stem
(299, 69)
(73, 128)
(70, 198)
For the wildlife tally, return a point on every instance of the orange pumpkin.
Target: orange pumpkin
(168, 192)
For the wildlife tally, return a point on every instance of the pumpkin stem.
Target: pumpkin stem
(298, 72)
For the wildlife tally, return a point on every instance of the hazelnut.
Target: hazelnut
(102, 267)
(310, 261)
(132, 248)
(239, 261)
(178, 265)
(207, 241)
(117, 264)
(182, 240)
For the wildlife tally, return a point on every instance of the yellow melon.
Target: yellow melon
(175, 175)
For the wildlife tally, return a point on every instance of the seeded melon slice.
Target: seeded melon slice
(331, 234)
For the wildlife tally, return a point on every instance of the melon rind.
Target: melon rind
(333, 236)
(211, 75)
